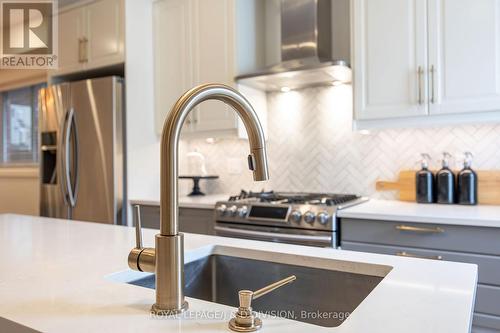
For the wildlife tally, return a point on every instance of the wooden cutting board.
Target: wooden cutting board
(488, 186)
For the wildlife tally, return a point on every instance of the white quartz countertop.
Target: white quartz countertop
(63, 276)
(202, 201)
(391, 210)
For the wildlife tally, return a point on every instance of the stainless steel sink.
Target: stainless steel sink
(333, 293)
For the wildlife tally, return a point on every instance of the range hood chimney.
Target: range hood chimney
(315, 47)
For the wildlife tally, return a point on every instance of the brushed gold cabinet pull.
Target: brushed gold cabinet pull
(420, 73)
(411, 255)
(433, 97)
(80, 41)
(410, 228)
(85, 43)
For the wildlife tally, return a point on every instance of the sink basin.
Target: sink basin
(317, 290)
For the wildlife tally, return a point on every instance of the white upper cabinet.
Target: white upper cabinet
(91, 36)
(71, 32)
(105, 32)
(194, 43)
(389, 58)
(173, 54)
(464, 56)
(415, 60)
(213, 50)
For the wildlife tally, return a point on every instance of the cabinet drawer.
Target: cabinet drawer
(150, 217)
(488, 300)
(479, 329)
(196, 220)
(488, 266)
(193, 220)
(483, 323)
(420, 235)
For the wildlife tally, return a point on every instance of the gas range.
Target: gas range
(289, 217)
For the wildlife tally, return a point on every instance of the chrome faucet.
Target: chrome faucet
(167, 258)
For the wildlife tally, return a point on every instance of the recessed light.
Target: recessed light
(285, 89)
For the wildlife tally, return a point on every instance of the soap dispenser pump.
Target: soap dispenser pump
(445, 182)
(467, 183)
(425, 182)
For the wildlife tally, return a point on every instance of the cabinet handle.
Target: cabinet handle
(411, 255)
(80, 41)
(420, 72)
(433, 71)
(403, 227)
(85, 43)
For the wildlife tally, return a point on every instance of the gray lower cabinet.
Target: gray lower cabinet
(468, 244)
(193, 220)
(197, 220)
(485, 323)
(429, 236)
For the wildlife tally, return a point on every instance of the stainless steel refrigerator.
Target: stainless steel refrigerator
(82, 151)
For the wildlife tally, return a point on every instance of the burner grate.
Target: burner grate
(294, 197)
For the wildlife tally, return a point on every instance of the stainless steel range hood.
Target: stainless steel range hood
(315, 47)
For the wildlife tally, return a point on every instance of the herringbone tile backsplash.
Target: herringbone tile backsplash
(312, 147)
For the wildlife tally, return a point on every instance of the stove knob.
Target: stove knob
(296, 216)
(232, 210)
(323, 217)
(242, 211)
(221, 209)
(309, 217)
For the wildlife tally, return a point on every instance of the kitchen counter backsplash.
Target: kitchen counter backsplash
(311, 147)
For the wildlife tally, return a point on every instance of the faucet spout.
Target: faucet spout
(169, 243)
(257, 159)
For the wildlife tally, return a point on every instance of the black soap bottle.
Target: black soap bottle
(445, 182)
(424, 181)
(467, 183)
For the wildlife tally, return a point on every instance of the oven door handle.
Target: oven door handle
(272, 235)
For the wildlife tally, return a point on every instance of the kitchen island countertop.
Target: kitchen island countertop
(63, 276)
(392, 210)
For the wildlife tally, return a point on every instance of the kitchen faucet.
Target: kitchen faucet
(167, 258)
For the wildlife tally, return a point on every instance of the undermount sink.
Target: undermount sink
(335, 291)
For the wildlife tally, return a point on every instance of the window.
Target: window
(19, 125)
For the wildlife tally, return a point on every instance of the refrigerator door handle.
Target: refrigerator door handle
(62, 149)
(71, 126)
(76, 154)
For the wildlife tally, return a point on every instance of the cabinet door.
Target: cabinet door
(172, 56)
(196, 220)
(105, 33)
(202, 32)
(464, 56)
(71, 32)
(390, 48)
(213, 56)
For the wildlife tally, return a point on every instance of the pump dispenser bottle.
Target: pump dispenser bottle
(424, 181)
(445, 182)
(467, 183)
